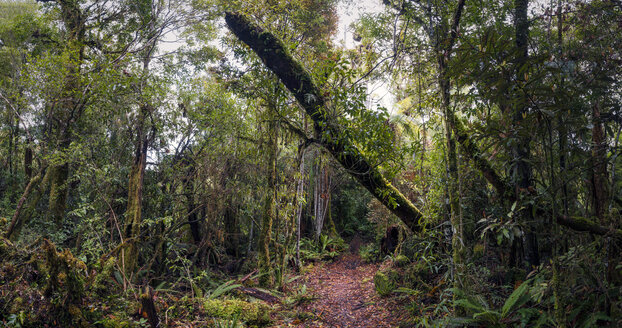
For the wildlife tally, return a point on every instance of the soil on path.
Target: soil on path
(344, 296)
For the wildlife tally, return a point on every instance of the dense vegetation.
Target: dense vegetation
(186, 163)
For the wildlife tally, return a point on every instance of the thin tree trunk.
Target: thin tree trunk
(600, 177)
(521, 166)
(193, 217)
(299, 200)
(59, 175)
(232, 228)
(28, 160)
(455, 213)
(265, 268)
(22, 215)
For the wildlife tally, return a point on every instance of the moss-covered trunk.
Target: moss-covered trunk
(133, 214)
(59, 174)
(600, 177)
(451, 158)
(269, 209)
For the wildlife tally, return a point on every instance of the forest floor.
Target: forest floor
(343, 295)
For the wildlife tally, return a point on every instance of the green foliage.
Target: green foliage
(223, 289)
(513, 311)
(385, 282)
(298, 297)
(228, 323)
(326, 248)
(83, 94)
(370, 253)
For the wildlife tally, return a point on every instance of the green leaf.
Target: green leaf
(467, 304)
(594, 318)
(226, 287)
(518, 298)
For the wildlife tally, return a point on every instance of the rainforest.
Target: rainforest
(310, 163)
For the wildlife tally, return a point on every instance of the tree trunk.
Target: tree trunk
(455, 213)
(22, 214)
(133, 214)
(600, 177)
(28, 160)
(269, 209)
(232, 228)
(521, 166)
(59, 174)
(321, 195)
(299, 199)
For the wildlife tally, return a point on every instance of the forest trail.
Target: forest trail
(344, 296)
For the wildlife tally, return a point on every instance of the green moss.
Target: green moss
(6, 249)
(58, 192)
(99, 283)
(386, 282)
(417, 275)
(113, 322)
(252, 313)
(401, 261)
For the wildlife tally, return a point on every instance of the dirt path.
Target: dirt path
(345, 296)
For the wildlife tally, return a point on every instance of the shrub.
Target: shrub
(385, 282)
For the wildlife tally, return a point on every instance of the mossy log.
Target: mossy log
(300, 83)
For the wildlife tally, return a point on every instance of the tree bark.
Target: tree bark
(22, 215)
(300, 83)
(269, 209)
(600, 177)
(521, 166)
(148, 307)
(133, 213)
(299, 199)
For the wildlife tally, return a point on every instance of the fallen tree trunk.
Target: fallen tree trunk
(259, 294)
(300, 83)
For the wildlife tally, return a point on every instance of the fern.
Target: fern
(518, 298)
(224, 288)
